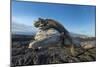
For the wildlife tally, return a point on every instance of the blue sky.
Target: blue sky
(75, 18)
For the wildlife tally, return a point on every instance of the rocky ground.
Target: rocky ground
(21, 55)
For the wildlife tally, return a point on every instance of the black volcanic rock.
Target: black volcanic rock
(54, 55)
(21, 55)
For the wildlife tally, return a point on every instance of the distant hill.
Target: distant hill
(78, 35)
(22, 29)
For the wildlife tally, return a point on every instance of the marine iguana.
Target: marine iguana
(50, 23)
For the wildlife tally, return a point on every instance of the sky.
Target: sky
(75, 18)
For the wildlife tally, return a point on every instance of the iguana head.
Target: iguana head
(40, 23)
